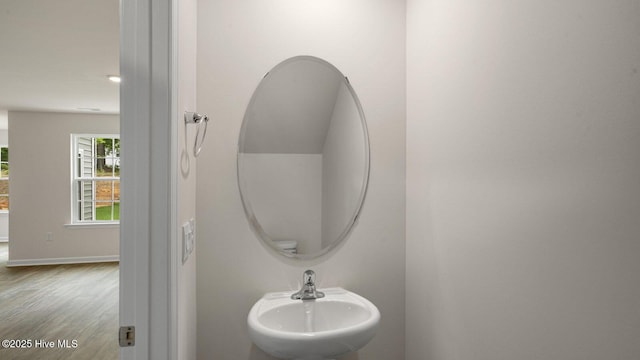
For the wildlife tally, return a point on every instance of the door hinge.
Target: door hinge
(127, 336)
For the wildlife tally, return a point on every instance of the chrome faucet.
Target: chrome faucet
(308, 291)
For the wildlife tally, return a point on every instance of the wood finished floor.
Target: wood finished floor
(61, 302)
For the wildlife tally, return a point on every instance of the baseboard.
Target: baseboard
(63, 261)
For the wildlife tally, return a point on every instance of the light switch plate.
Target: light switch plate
(188, 239)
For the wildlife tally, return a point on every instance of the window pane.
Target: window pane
(84, 155)
(107, 162)
(104, 211)
(85, 190)
(101, 167)
(4, 187)
(105, 190)
(4, 162)
(4, 194)
(85, 200)
(116, 190)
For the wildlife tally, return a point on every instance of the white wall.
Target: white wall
(40, 188)
(4, 119)
(523, 137)
(238, 42)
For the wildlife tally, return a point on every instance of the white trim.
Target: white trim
(161, 182)
(98, 135)
(146, 113)
(135, 44)
(174, 248)
(63, 261)
(93, 225)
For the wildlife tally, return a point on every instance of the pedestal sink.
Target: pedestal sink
(324, 328)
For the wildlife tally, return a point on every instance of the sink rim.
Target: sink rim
(274, 300)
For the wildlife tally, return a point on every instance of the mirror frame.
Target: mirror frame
(251, 218)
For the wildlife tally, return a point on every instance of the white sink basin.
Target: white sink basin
(331, 326)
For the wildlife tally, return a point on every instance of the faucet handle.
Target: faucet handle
(309, 278)
(308, 291)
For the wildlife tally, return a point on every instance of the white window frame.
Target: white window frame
(4, 177)
(75, 181)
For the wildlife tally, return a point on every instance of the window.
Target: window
(4, 178)
(96, 178)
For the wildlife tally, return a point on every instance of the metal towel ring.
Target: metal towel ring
(195, 118)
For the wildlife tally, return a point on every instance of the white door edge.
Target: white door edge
(147, 226)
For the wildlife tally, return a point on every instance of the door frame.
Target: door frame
(148, 244)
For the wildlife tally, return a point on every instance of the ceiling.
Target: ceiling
(55, 55)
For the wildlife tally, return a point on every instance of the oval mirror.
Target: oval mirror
(303, 158)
